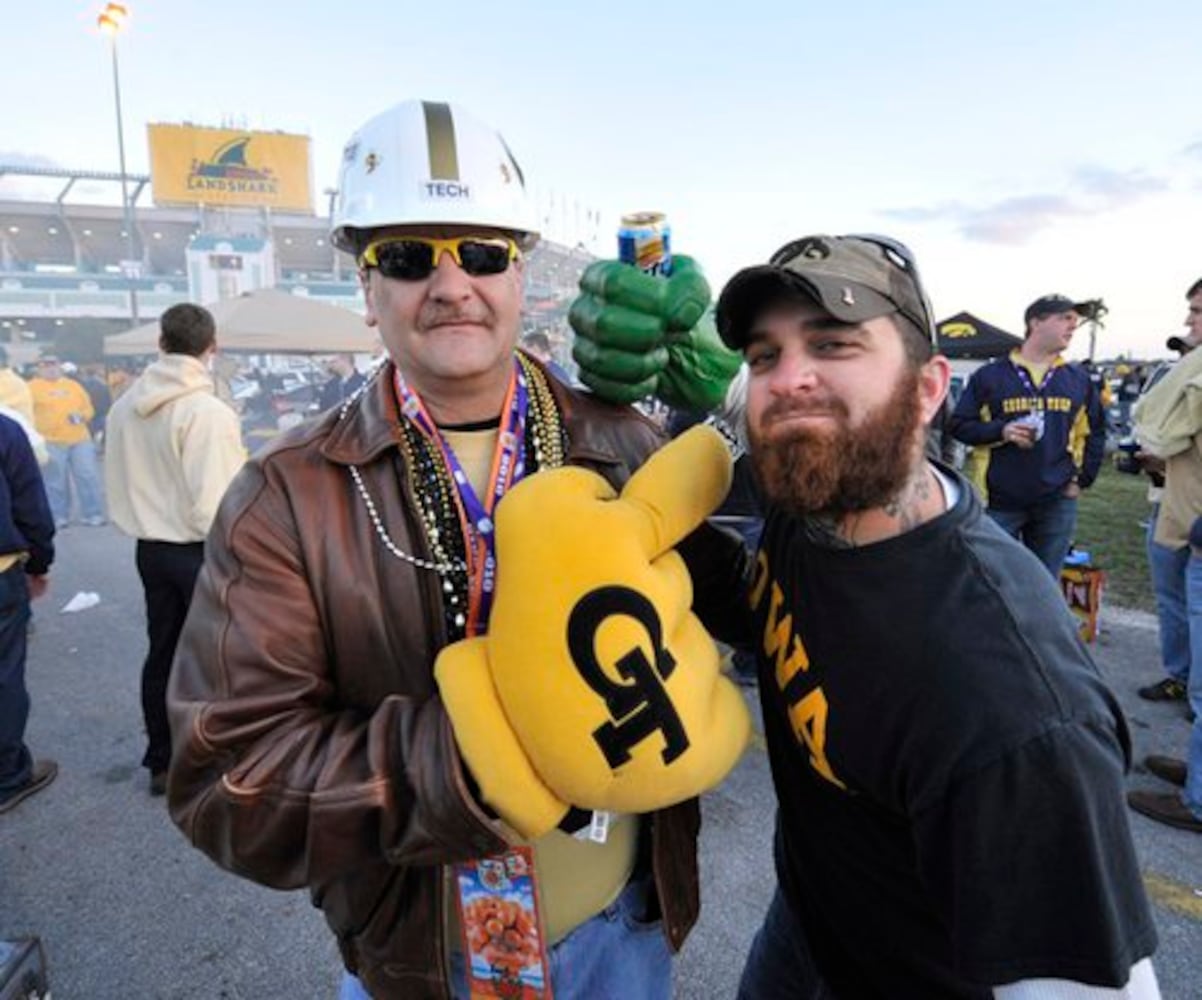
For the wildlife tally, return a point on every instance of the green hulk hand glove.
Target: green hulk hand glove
(640, 335)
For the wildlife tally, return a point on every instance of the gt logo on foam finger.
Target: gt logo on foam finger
(641, 707)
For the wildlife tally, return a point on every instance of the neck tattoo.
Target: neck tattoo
(910, 507)
(831, 531)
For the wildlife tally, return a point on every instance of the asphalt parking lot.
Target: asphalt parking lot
(127, 908)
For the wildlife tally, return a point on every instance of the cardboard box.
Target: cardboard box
(1083, 586)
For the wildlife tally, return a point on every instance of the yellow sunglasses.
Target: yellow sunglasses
(413, 258)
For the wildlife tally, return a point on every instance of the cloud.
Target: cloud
(25, 187)
(1194, 149)
(1011, 221)
(11, 158)
(1114, 188)
(1016, 220)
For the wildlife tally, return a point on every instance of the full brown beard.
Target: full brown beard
(839, 471)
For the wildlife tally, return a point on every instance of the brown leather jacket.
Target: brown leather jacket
(310, 744)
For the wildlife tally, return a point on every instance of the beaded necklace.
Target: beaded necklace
(438, 501)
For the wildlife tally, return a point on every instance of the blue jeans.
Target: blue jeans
(1167, 568)
(16, 765)
(614, 956)
(779, 966)
(1046, 528)
(73, 463)
(1192, 795)
(1124, 426)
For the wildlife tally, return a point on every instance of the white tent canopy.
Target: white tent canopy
(267, 321)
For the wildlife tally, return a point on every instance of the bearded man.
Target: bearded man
(948, 762)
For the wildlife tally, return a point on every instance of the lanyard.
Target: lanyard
(476, 516)
(1024, 376)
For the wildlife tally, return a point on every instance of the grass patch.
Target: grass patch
(1109, 518)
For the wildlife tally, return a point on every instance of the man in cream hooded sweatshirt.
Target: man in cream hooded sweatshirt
(173, 448)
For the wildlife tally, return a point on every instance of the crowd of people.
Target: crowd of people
(445, 654)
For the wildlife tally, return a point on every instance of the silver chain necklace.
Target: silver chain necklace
(442, 568)
(377, 522)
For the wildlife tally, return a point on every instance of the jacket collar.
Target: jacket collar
(590, 438)
(369, 423)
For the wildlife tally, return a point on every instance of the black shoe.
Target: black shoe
(158, 783)
(1168, 689)
(44, 772)
(1164, 807)
(1168, 769)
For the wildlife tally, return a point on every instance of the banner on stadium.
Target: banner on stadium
(192, 165)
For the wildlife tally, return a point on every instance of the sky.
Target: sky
(1019, 148)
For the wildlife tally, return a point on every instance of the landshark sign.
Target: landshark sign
(194, 165)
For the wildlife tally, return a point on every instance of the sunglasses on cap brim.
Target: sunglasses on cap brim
(894, 251)
(413, 258)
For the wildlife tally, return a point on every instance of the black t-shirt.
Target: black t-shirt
(949, 765)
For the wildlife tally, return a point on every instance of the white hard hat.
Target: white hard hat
(426, 163)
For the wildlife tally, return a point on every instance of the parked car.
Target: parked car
(265, 414)
(300, 398)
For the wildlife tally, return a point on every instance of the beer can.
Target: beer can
(645, 241)
(1034, 420)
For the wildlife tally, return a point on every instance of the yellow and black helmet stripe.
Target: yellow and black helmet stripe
(440, 140)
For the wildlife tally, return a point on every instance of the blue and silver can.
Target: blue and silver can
(645, 241)
(1034, 420)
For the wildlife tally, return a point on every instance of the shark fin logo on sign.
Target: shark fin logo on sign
(228, 170)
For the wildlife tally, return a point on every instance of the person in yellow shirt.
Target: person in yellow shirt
(61, 411)
(14, 390)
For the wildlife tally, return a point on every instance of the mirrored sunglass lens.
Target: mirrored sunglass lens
(408, 260)
(483, 258)
(895, 250)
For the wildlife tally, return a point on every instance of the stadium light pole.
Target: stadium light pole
(111, 20)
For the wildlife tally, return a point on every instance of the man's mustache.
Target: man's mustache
(793, 407)
(450, 317)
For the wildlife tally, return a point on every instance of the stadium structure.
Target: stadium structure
(71, 272)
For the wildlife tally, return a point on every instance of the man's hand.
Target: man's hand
(1152, 466)
(1020, 435)
(596, 686)
(39, 583)
(640, 335)
(1149, 463)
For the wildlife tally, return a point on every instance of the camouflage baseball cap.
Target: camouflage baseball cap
(854, 278)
